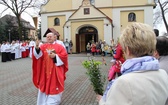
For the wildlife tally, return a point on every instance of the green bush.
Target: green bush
(95, 76)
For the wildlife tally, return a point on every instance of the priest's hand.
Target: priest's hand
(98, 97)
(52, 55)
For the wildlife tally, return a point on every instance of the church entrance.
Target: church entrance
(85, 35)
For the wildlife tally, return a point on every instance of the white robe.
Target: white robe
(31, 45)
(60, 42)
(43, 99)
(17, 51)
(3, 48)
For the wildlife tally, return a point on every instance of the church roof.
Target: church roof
(94, 13)
(51, 30)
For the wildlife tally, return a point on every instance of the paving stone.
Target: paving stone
(16, 87)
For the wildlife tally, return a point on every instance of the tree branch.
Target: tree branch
(165, 10)
(27, 5)
(164, 4)
(18, 7)
(163, 16)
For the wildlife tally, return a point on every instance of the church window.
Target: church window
(56, 21)
(86, 11)
(131, 17)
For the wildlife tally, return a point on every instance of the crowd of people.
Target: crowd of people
(15, 50)
(101, 48)
(23, 49)
(50, 64)
(138, 74)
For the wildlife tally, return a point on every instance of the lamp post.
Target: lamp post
(9, 35)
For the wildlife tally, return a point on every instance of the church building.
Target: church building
(84, 20)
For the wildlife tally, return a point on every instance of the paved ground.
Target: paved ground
(16, 87)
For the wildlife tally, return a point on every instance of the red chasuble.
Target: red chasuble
(48, 77)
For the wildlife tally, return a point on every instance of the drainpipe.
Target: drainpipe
(63, 33)
(112, 29)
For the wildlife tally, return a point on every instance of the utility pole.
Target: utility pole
(9, 35)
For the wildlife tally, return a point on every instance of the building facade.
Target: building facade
(85, 20)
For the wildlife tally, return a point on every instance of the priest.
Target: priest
(50, 63)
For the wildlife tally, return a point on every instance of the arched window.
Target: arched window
(131, 17)
(56, 22)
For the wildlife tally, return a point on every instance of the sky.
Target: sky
(28, 18)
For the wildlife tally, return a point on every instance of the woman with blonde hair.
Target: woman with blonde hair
(141, 82)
